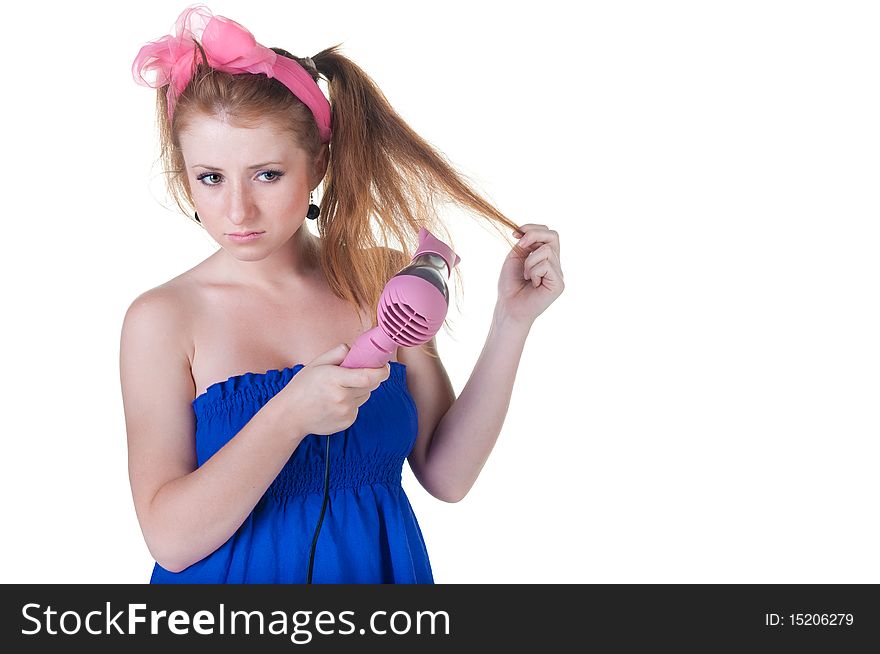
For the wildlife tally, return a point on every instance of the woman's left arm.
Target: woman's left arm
(457, 435)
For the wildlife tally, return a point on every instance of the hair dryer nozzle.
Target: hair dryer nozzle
(430, 243)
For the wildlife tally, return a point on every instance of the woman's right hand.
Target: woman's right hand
(326, 396)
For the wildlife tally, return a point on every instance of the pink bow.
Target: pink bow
(229, 47)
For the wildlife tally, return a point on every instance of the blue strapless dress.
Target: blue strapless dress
(369, 534)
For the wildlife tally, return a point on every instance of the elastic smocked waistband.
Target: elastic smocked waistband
(344, 474)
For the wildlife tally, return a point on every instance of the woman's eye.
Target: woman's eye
(276, 174)
(204, 176)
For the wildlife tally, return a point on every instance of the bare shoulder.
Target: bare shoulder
(155, 305)
(160, 319)
(155, 348)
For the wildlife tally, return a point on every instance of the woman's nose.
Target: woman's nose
(240, 208)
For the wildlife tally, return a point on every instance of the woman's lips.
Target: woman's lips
(245, 236)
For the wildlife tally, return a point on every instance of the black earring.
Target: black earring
(314, 209)
(197, 218)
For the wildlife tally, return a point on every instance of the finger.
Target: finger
(539, 272)
(549, 275)
(549, 266)
(357, 378)
(366, 378)
(530, 226)
(523, 229)
(536, 256)
(541, 251)
(539, 235)
(382, 374)
(334, 356)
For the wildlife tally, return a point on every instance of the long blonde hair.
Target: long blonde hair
(380, 174)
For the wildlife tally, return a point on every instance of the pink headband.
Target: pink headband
(231, 48)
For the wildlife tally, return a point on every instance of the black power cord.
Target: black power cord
(323, 508)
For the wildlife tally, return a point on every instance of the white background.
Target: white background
(700, 405)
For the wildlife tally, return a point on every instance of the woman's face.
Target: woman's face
(247, 180)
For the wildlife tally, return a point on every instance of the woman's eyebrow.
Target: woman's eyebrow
(260, 165)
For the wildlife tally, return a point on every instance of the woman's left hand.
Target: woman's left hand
(531, 277)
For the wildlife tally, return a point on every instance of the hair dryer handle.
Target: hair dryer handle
(372, 349)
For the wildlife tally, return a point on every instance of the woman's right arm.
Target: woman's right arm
(185, 511)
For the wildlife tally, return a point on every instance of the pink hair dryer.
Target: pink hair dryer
(411, 309)
(412, 306)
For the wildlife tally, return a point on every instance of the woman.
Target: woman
(227, 476)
